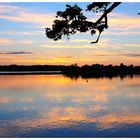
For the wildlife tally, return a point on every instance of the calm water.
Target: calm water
(57, 106)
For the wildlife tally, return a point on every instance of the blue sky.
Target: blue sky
(23, 41)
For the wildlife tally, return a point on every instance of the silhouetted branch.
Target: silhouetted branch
(104, 16)
(113, 6)
(97, 39)
(72, 20)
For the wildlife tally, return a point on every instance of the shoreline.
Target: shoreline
(30, 72)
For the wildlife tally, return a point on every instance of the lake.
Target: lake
(58, 106)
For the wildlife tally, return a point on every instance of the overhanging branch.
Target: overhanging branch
(114, 5)
(104, 15)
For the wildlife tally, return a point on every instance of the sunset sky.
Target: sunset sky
(23, 40)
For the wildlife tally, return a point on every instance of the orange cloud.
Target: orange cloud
(127, 23)
(5, 41)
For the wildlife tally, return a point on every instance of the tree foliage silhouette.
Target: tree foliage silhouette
(72, 20)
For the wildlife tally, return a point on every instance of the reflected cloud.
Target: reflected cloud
(59, 102)
(114, 120)
(69, 116)
(5, 100)
(9, 100)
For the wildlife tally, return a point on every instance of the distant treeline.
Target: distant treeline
(98, 71)
(32, 68)
(75, 71)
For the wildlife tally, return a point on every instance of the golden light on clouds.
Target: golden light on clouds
(29, 36)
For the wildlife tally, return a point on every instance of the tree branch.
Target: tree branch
(114, 5)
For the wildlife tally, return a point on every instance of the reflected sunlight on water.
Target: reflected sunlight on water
(57, 106)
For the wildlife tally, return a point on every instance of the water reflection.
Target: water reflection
(57, 106)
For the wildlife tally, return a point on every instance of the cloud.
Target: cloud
(16, 53)
(28, 17)
(20, 33)
(81, 40)
(7, 8)
(132, 55)
(18, 14)
(24, 42)
(122, 33)
(75, 43)
(7, 41)
(124, 22)
(127, 45)
(67, 46)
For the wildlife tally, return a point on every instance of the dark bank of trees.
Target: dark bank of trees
(75, 71)
(32, 68)
(97, 71)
